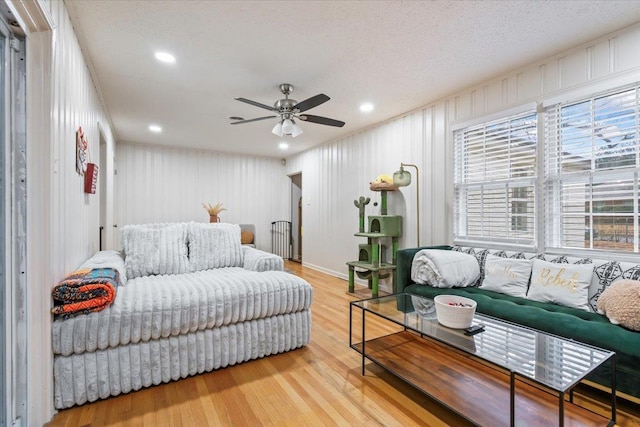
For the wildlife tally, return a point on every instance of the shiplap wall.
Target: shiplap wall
(62, 221)
(338, 172)
(159, 184)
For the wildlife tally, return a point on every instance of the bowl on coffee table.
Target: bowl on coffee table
(454, 311)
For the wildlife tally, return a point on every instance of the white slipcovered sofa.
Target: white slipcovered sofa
(191, 300)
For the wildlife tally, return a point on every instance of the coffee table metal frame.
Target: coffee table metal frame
(411, 321)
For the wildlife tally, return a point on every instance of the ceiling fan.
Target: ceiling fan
(289, 109)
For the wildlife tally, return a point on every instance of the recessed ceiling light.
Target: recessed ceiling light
(155, 128)
(283, 146)
(165, 57)
(367, 107)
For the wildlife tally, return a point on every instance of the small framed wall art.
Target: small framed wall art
(81, 151)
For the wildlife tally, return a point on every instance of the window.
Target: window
(591, 172)
(495, 181)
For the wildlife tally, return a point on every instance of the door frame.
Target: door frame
(296, 215)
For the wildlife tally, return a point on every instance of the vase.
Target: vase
(213, 218)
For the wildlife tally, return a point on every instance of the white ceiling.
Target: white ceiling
(397, 54)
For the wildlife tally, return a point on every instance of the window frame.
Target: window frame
(552, 228)
(525, 244)
(541, 244)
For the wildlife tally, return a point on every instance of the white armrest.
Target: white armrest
(257, 260)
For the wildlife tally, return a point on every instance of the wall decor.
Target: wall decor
(91, 178)
(81, 151)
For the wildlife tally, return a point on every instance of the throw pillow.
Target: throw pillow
(214, 245)
(507, 275)
(620, 302)
(246, 237)
(155, 249)
(563, 284)
(444, 269)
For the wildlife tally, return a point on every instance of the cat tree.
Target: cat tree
(371, 265)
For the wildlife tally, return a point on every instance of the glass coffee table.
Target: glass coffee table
(494, 377)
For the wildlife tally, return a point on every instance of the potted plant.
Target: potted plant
(213, 210)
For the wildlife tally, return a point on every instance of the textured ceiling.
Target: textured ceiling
(397, 54)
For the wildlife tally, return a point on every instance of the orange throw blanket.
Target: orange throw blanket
(85, 291)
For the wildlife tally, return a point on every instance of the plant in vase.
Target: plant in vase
(213, 210)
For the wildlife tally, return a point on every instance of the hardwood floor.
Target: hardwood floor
(319, 385)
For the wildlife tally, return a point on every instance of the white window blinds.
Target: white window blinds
(495, 181)
(591, 172)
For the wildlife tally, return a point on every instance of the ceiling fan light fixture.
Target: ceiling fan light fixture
(287, 126)
(286, 110)
(297, 130)
(277, 129)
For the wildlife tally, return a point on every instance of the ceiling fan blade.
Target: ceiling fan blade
(256, 104)
(252, 120)
(321, 120)
(309, 103)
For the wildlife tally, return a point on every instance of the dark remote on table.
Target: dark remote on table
(475, 329)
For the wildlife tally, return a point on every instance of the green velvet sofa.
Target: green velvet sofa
(588, 327)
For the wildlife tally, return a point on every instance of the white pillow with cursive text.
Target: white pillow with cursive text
(508, 276)
(563, 284)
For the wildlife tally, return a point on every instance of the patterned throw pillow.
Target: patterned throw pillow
(607, 273)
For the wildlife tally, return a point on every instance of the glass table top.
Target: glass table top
(556, 362)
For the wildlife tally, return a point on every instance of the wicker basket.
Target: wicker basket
(454, 311)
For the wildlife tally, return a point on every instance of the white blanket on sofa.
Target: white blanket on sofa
(444, 269)
(153, 307)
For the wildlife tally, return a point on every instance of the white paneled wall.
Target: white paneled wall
(75, 103)
(159, 184)
(62, 221)
(338, 172)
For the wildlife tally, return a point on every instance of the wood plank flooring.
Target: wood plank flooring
(470, 387)
(319, 385)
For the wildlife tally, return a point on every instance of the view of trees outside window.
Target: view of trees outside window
(595, 169)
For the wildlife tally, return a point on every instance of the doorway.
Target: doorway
(296, 216)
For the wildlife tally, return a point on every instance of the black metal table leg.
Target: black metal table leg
(350, 325)
(513, 399)
(363, 340)
(561, 404)
(613, 389)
